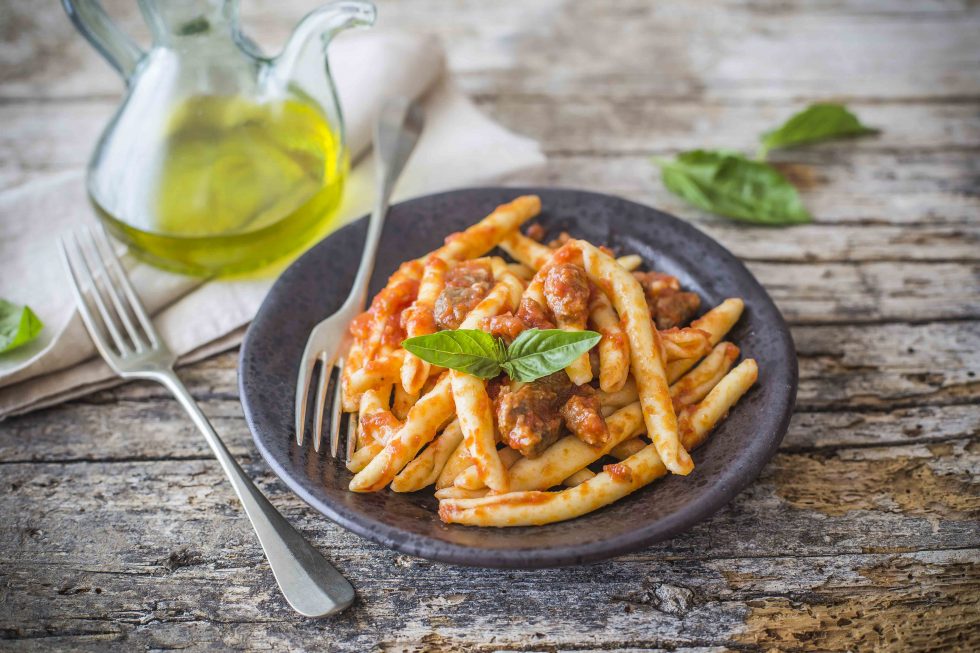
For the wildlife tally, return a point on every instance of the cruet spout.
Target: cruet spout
(307, 44)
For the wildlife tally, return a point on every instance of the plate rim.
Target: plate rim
(716, 497)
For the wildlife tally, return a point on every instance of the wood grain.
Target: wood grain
(863, 533)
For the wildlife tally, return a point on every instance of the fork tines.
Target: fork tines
(329, 393)
(109, 306)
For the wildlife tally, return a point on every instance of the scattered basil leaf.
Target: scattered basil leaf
(818, 122)
(18, 325)
(539, 352)
(467, 350)
(729, 184)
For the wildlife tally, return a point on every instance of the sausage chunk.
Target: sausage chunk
(528, 419)
(566, 289)
(467, 283)
(669, 306)
(507, 326)
(583, 419)
(561, 385)
(655, 283)
(674, 309)
(533, 314)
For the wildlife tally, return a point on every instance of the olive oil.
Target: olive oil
(235, 185)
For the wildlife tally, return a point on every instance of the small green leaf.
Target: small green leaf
(536, 353)
(728, 184)
(18, 325)
(818, 122)
(466, 350)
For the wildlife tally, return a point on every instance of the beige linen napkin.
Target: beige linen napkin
(459, 147)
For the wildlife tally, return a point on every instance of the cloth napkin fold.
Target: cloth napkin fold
(198, 318)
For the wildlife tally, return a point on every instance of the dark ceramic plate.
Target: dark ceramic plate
(316, 285)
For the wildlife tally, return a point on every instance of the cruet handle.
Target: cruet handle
(91, 20)
(318, 28)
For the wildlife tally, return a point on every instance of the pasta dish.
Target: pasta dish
(532, 382)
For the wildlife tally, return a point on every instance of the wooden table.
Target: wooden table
(118, 529)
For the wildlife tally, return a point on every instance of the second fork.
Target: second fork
(396, 133)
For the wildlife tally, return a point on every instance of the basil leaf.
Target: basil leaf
(729, 184)
(18, 325)
(818, 122)
(466, 350)
(536, 352)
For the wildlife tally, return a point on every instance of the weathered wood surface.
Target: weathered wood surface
(862, 533)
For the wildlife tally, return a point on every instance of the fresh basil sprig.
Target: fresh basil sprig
(533, 354)
(818, 122)
(18, 325)
(728, 184)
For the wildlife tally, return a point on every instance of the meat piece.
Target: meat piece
(453, 304)
(535, 232)
(583, 418)
(669, 307)
(673, 309)
(655, 283)
(507, 326)
(467, 283)
(561, 385)
(533, 314)
(469, 274)
(528, 419)
(566, 289)
(496, 385)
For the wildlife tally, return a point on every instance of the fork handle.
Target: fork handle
(395, 135)
(311, 585)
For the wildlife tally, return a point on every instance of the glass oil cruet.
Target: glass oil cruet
(219, 160)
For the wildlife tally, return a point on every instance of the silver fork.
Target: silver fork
(124, 335)
(395, 136)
